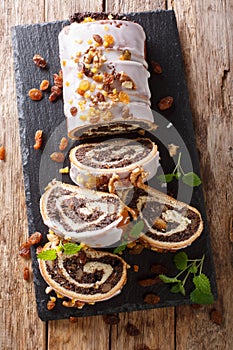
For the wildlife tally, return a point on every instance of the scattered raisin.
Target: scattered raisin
(98, 39)
(50, 305)
(35, 238)
(63, 143)
(216, 317)
(132, 329)
(39, 61)
(44, 85)
(57, 157)
(35, 94)
(111, 319)
(73, 319)
(137, 249)
(158, 269)
(143, 347)
(38, 139)
(136, 268)
(165, 103)
(26, 273)
(149, 282)
(2, 153)
(152, 299)
(73, 111)
(24, 250)
(53, 96)
(156, 67)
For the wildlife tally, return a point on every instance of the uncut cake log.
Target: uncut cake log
(93, 165)
(83, 215)
(105, 77)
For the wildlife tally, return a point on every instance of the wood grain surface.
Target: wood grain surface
(205, 29)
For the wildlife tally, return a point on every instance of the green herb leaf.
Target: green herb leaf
(165, 178)
(177, 175)
(50, 254)
(71, 248)
(137, 229)
(178, 288)
(202, 283)
(181, 261)
(198, 297)
(119, 249)
(193, 269)
(167, 279)
(191, 179)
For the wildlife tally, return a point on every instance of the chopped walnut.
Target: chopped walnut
(58, 79)
(165, 103)
(57, 90)
(113, 183)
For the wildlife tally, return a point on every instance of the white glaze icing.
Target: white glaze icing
(74, 41)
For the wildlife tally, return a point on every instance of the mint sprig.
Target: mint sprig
(202, 293)
(191, 179)
(66, 248)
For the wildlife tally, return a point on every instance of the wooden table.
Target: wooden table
(205, 29)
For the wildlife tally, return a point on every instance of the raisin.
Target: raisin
(39, 61)
(73, 319)
(132, 330)
(216, 317)
(165, 103)
(149, 282)
(44, 85)
(63, 144)
(73, 111)
(156, 67)
(35, 238)
(26, 273)
(111, 319)
(98, 39)
(24, 250)
(158, 269)
(2, 153)
(57, 157)
(50, 305)
(152, 299)
(38, 139)
(35, 94)
(53, 96)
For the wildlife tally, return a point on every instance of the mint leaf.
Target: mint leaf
(191, 179)
(193, 269)
(167, 279)
(119, 249)
(178, 288)
(202, 283)
(71, 248)
(165, 178)
(198, 297)
(181, 261)
(137, 229)
(50, 254)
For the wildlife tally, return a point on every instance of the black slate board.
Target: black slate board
(162, 46)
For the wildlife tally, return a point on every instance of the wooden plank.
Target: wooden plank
(90, 332)
(156, 326)
(17, 302)
(205, 30)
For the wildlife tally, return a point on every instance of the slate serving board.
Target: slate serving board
(163, 46)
